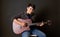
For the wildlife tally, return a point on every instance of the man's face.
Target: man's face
(30, 9)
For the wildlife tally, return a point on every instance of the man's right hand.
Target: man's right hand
(23, 24)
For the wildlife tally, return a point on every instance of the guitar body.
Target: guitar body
(17, 29)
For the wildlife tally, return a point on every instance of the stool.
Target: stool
(33, 35)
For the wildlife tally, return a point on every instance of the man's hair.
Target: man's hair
(32, 5)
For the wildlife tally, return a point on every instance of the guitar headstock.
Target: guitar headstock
(48, 22)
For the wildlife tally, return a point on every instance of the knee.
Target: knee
(39, 33)
(25, 34)
(43, 35)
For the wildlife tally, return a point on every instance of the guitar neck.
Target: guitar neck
(37, 23)
(33, 24)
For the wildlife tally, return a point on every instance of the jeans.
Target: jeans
(34, 32)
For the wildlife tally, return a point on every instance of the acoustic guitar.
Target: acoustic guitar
(17, 29)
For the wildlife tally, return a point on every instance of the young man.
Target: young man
(28, 14)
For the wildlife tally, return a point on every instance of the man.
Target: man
(29, 13)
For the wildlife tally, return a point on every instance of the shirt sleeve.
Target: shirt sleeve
(17, 16)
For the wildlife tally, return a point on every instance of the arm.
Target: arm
(40, 24)
(18, 22)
